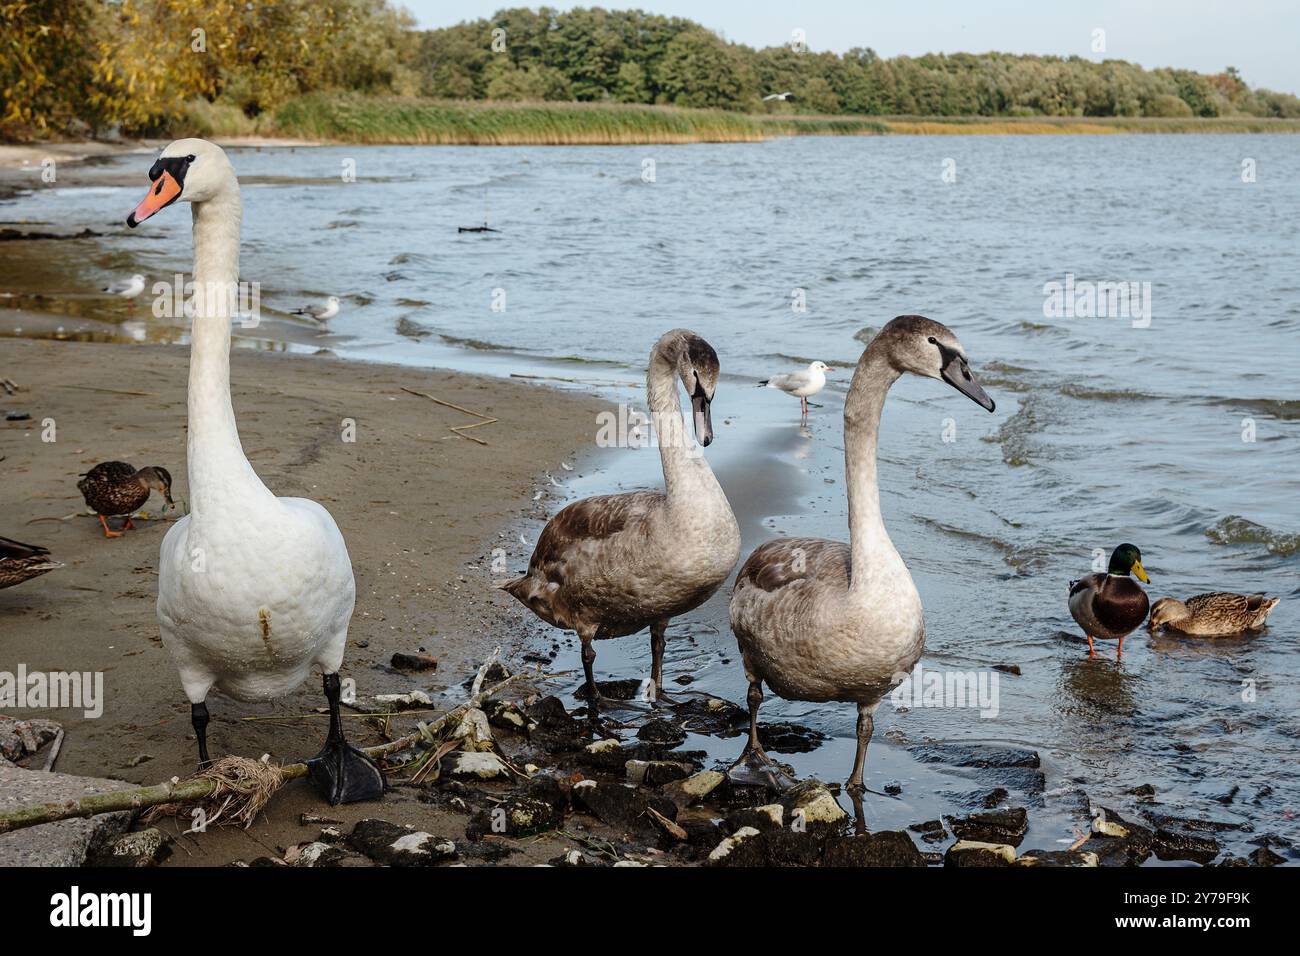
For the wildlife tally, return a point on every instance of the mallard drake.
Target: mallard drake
(114, 488)
(612, 565)
(21, 562)
(820, 620)
(1212, 615)
(1111, 605)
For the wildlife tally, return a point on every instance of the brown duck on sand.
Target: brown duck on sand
(114, 488)
(21, 562)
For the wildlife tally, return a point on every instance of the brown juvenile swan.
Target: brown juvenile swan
(822, 620)
(611, 565)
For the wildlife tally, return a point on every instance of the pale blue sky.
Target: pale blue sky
(1259, 37)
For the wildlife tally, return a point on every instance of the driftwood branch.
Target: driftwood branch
(200, 787)
(459, 429)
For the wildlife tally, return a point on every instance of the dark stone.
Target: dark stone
(516, 817)
(615, 759)
(775, 848)
(887, 848)
(701, 832)
(1173, 845)
(931, 831)
(376, 839)
(487, 851)
(786, 738)
(1266, 857)
(549, 714)
(621, 807)
(626, 689)
(661, 733)
(972, 856)
(751, 817)
(1008, 668)
(495, 674)
(1070, 858)
(976, 755)
(1170, 821)
(1146, 790)
(994, 798)
(893, 788)
(656, 773)
(993, 826)
(414, 662)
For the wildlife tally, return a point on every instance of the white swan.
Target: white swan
(611, 565)
(821, 620)
(802, 384)
(253, 590)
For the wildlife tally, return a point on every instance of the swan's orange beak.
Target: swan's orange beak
(165, 191)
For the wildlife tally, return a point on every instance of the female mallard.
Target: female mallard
(114, 488)
(1212, 615)
(21, 562)
(1111, 605)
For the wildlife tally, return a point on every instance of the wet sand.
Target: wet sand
(421, 509)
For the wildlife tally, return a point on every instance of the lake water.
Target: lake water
(1180, 434)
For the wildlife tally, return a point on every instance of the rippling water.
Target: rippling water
(1104, 432)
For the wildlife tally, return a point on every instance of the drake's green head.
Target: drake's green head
(1126, 560)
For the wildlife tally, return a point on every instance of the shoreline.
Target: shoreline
(706, 127)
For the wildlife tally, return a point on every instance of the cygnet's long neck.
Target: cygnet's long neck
(872, 550)
(686, 472)
(218, 470)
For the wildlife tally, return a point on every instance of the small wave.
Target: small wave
(1105, 394)
(1234, 529)
(477, 344)
(1016, 434)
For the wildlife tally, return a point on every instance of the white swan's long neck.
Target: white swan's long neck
(218, 470)
(872, 551)
(686, 472)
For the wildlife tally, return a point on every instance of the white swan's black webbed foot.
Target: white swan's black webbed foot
(340, 772)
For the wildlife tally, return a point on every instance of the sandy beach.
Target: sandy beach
(421, 508)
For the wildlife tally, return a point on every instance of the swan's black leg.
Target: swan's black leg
(658, 641)
(342, 773)
(754, 767)
(866, 724)
(199, 718)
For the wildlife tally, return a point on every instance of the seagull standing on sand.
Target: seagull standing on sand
(320, 313)
(802, 384)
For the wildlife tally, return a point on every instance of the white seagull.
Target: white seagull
(126, 288)
(778, 97)
(321, 313)
(802, 384)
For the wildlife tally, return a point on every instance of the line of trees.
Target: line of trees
(90, 65)
(635, 57)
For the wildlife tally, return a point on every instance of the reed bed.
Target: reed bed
(352, 118)
(397, 120)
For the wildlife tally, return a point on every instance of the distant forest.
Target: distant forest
(145, 66)
(631, 56)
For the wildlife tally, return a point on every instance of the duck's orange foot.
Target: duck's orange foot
(108, 533)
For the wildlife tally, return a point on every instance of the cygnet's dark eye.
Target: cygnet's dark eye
(933, 340)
